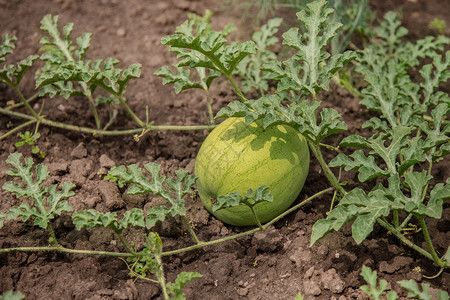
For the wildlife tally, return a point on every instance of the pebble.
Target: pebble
(79, 151)
(121, 32)
(106, 162)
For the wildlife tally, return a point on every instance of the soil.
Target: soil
(275, 264)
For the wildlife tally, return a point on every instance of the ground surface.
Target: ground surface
(276, 264)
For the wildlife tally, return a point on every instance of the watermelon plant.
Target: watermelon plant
(376, 289)
(68, 73)
(241, 168)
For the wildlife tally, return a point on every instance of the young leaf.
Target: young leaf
(198, 37)
(12, 295)
(47, 201)
(64, 63)
(438, 195)
(371, 289)
(356, 205)
(311, 68)
(175, 288)
(10, 74)
(6, 46)
(134, 217)
(2, 219)
(366, 165)
(92, 218)
(180, 79)
(249, 69)
(251, 198)
(424, 294)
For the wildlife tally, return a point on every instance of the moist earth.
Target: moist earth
(274, 264)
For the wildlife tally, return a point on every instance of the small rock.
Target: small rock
(311, 288)
(331, 281)
(79, 170)
(58, 168)
(242, 291)
(110, 195)
(121, 32)
(79, 151)
(308, 273)
(268, 240)
(106, 162)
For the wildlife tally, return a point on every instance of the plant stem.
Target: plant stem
(67, 250)
(130, 112)
(407, 242)
(27, 105)
(238, 235)
(427, 237)
(328, 173)
(17, 129)
(256, 218)
(124, 243)
(53, 239)
(160, 276)
(197, 246)
(395, 216)
(99, 132)
(208, 100)
(191, 231)
(236, 88)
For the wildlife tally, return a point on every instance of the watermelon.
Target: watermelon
(236, 156)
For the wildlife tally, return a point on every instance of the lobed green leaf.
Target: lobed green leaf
(47, 201)
(179, 187)
(250, 199)
(175, 288)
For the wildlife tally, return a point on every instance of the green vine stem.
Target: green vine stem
(427, 237)
(17, 128)
(25, 102)
(185, 249)
(328, 173)
(99, 132)
(407, 242)
(256, 219)
(191, 231)
(238, 235)
(160, 275)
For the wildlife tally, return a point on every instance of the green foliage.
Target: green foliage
(178, 188)
(182, 78)
(13, 74)
(410, 135)
(175, 288)
(307, 72)
(148, 262)
(424, 294)
(311, 68)
(259, 195)
(249, 69)
(65, 64)
(439, 25)
(46, 201)
(93, 218)
(30, 139)
(375, 289)
(193, 38)
(12, 295)
(411, 285)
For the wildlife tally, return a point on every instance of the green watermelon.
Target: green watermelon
(236, 156)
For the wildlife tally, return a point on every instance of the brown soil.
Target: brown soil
(275, 264)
